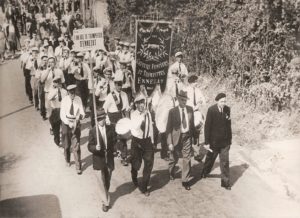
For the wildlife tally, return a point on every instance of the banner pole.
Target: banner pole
(94, 98)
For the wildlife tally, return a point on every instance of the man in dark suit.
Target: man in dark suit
(218, 135)
(103, 154)
(181, 133)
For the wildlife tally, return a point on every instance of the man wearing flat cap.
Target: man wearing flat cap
(103, 155)
(55, 96)
(71, 113)
(142, 143)
(218, 135)
(181, 133)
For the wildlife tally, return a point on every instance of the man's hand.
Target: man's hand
(207, 147)
(171, 147)
(107, 120)
(98, 147)
(71, 125)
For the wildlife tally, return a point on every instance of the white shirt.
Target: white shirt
(24, 57)
(195, 96)
(178, 67)
(102, 130)
(138, 118)
(53, 97)
(64, 63)
(48, 77)
(110, 104)
(186, 129)
(58, 52)
(65, 108)
(101, 88)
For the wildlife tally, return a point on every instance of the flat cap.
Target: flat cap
(219, 96)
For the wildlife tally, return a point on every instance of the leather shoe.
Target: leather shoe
(79, 172)
(203, 176)
(105, 208)
(146, 193)
(186, 186)
(226, 186)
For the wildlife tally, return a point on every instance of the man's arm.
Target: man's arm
(169, 129)
(92, 142)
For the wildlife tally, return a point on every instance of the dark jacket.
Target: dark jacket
(217, 128)
(173, 129)
(99, 159)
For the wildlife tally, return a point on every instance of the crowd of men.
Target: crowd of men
(66, 86)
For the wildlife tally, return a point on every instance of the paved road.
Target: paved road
(35, 181)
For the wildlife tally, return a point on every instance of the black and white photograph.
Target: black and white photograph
(149, 108)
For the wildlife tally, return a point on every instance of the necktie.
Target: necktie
(59, 96)
(183, 119)
(81, 71)
(179, 68)
(108, 88)
(35, 64)
(121, 102)
(194, 97)
(72, 109)
(113, 68)
(52, 74)
(176, 88)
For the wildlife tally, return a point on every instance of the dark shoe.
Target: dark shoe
(226, 186)
(105, 208)
(146, 193)
(203, 176)
(198, 158)
(44, 118)
(79, 172)
(186, 186)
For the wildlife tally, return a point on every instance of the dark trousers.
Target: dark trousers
(121, 143)
(106, 174)
(83, 91)
(42, 100)
(55, 124)
(28, 89)
(224, 163)
(184, 147)
(164, 145)
(98, 105)
(71, 142)
(142, 149)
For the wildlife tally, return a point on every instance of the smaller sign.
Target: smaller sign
(88, 39)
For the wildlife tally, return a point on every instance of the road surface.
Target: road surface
(34, 181)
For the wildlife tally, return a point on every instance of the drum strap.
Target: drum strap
(119, 104)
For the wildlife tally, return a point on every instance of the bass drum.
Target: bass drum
(123, 128)
(164, 105)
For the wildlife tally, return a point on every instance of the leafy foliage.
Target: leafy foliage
(249, 43)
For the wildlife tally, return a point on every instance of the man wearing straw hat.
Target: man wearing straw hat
(181, 133)
(103, 155)
(71, 113)
(142, 143)
(117, 106)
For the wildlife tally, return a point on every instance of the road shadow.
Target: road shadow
(121, 190)
(86, 162)
(8, 161)
(16, 111)
(159, 179)
(38, 206)
(236, 172)
(197, 170)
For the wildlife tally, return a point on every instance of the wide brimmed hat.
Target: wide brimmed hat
(66, 48)
(182, 94)
(35, 49)
(79, 55)
(101, 114)
(57, 80)
(71, 87)
(132, 45)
